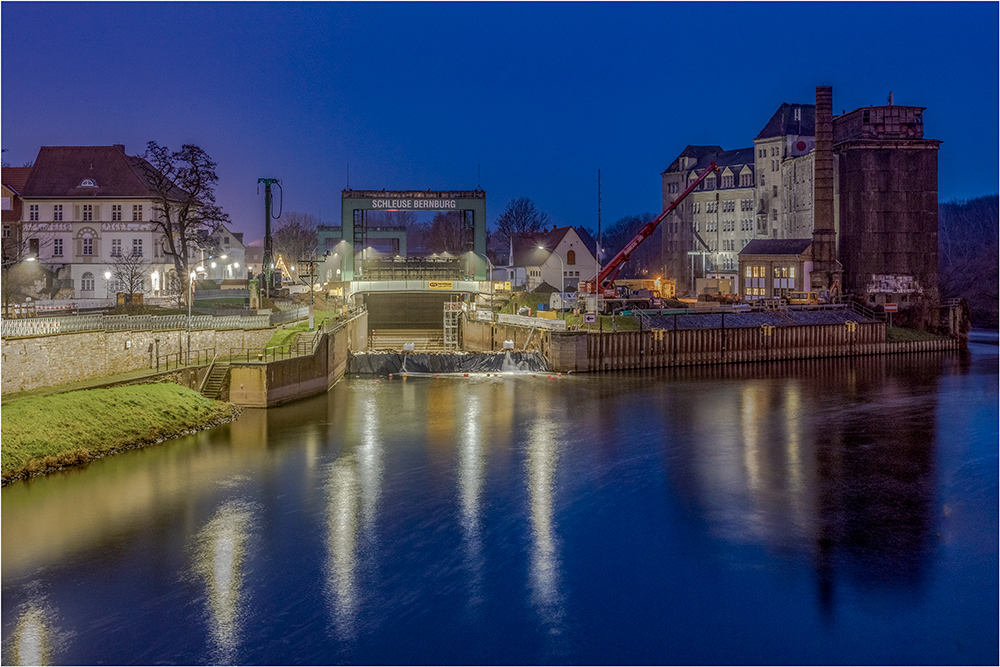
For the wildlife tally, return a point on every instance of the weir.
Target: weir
(386, 363)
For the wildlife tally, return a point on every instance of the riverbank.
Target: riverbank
(47, 433)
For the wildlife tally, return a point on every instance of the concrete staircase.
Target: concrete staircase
(216, 380)
(424, 340)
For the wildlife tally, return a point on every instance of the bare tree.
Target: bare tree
(445, 234)
(645, 260)
(968, 246)
(184, 205)
(130, 272)
(520, 216)
(295, 236)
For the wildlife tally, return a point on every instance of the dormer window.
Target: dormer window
(88, 183)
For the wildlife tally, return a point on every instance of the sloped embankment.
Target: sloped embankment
(47, 433)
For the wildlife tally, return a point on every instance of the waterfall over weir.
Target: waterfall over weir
(384, 363)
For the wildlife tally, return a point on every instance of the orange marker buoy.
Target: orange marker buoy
(466, 375)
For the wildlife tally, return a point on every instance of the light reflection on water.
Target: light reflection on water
(34, 638)
(451, 515)
(221, 552)
(343, 490)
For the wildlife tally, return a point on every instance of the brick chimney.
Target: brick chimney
(823, 176)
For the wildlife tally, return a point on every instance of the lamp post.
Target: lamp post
(190, 299)
(562, 277)
(107, 284)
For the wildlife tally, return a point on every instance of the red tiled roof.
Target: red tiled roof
(59, 171)
(15, 177)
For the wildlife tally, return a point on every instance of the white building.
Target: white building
(538, 257)
(85, 208)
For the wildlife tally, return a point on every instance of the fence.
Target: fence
(180, 359)
(41, 326)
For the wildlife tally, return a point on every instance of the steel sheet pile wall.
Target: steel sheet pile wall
(479, 336)
(693, 347)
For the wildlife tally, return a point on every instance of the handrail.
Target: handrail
(208, 374)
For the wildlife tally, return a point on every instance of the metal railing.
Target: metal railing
(179, 359)
(40, 326)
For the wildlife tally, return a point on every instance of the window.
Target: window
(727, 181)
(775, 191)
(762, 180)
(116, 212)
(774, 214)
(225, 240)
(6, 231)
(57, 247)
(87, 282)
(137, 247)
(57, 212)
(791, 272)
(33, 212)
(745, 180)
(571, 257)
(709, 183)
(33, 247)
(88, 212)
(137, 211)
(88, 247)
(866, 116)
(116, 247)
(88, 183)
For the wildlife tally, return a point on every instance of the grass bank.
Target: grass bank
(288, 334)
(46, 433)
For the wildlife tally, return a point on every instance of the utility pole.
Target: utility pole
(312, 290)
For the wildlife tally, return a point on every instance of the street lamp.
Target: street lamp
(562, 278)
(107, 284)
(191, 279)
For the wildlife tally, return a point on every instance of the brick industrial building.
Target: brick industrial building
(861, 186)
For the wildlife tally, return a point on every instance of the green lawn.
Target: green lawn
(904, 334)
(44, 432)
(288, 334)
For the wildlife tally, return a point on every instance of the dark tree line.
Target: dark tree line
(968, 250)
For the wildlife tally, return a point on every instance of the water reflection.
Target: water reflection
(835, 457)
(220, 557)
(470, 481)
(343, 492)
(542, 459)
(34, 639)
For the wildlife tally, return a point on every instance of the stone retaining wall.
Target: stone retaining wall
(43, 361)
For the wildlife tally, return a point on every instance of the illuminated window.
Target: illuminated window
(791, 272)
(137, 211)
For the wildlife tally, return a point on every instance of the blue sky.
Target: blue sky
(535, 97)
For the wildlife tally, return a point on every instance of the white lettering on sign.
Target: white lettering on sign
(414, 203)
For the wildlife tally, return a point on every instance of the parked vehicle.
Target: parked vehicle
(802, 298)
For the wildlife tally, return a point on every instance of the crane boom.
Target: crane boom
(611, 269)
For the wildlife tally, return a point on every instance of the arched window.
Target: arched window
(571, 257)
(87, 282)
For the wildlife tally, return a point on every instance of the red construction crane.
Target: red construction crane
(606, 279)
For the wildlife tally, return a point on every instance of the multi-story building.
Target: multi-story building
(867, 200)
(88, 209)
(783, 153)
(715, 221)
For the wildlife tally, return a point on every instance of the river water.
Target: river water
(831, 511)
